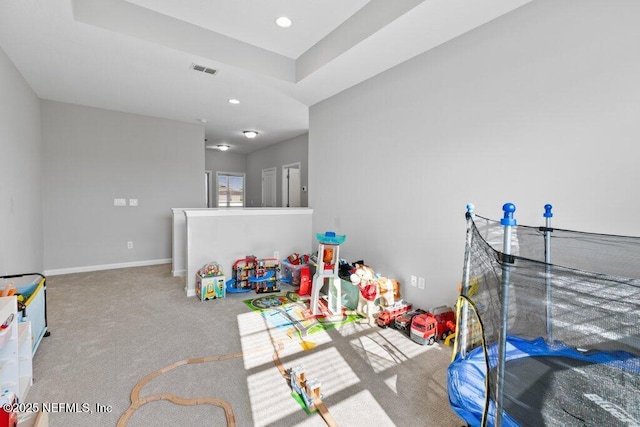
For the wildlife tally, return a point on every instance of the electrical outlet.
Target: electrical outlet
(414, 281)
(276, 255)
(421, 283)
(129, 245)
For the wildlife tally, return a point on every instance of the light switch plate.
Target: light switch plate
(119, 202)
(133, 202)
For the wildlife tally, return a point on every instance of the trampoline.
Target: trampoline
(542, 344)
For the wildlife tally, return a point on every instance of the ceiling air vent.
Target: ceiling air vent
(203, 69)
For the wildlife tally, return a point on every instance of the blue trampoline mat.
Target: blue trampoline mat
(550, 385)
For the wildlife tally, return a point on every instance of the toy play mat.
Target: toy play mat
(288, 310)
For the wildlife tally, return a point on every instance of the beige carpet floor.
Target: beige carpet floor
(110, 329)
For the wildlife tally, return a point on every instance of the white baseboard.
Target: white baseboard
(58, 271)
(179, 273)
(191, 292)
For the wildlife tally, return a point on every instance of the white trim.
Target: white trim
(247, 211)
(58, 271)
(190, 292)
(179, 273)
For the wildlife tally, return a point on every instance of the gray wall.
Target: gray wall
(94, 156)
(218, 161)
(275, 156)
(21, 248)
(539, 106)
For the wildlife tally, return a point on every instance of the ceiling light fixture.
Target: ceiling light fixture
(283, 22)
(221, 147)
(234, 101)
(250, 133)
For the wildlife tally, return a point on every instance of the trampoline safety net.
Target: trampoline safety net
(570, 328)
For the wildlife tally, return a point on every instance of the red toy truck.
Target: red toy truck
(387, 316)
(403, 322)
(436, 324)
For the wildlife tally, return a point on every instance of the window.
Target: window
(230, 189)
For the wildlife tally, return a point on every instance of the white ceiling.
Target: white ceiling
(135, 55)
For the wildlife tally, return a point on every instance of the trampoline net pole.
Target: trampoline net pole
(547, 259)
(462, 332)
(508, 222)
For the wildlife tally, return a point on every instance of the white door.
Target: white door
(294, 188)
(269, 188)
(291, 185)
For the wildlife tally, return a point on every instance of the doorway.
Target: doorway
(269, 188)
(291, 185)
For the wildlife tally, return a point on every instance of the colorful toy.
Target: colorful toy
(210, 282)
(243, 270)
(250, 273)
(404, 321)
(328, 266)
(291, 268)
(305, 281)
(363, 276)
(265, 277)
(389, 314)
(297, 259)
(389, 291)
(439, 323)
(307, 389)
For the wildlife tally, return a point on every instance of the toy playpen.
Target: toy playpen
(546, 340)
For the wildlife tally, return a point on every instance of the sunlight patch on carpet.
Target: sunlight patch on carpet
(270, 397)
(361, 409)
(329, 367)
(270, 393)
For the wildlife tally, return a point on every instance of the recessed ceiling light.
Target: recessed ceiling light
(283, 22)
(234, 101)
(250, 133)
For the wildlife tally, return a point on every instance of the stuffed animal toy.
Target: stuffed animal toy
(396, 290)
(364, 277)
(387, 292)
